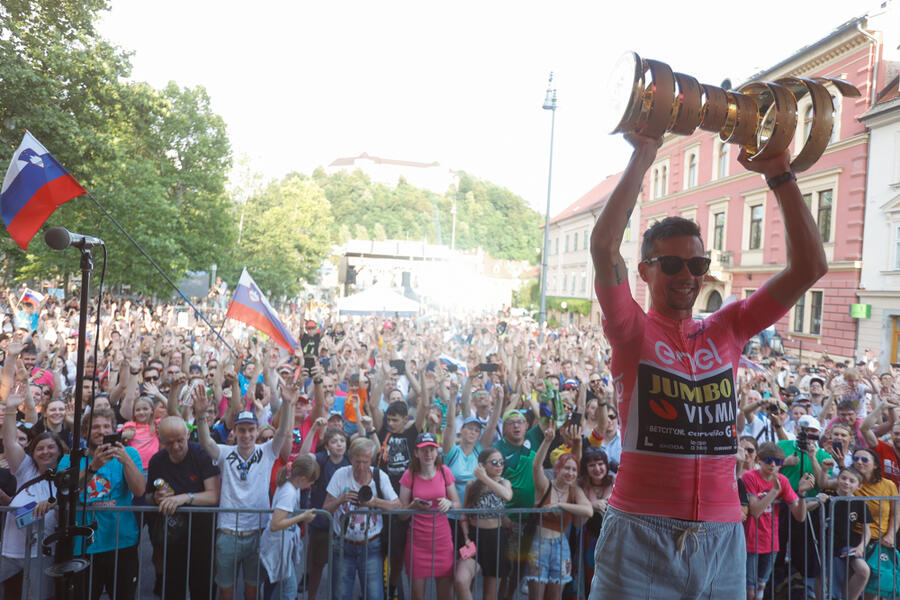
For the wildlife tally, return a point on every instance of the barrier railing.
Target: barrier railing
(186, 554)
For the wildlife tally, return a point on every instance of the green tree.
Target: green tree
(286, 234)
(156, 160)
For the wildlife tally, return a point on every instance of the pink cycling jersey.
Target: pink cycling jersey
(679, 438)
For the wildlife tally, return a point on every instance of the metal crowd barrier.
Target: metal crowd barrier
(804, 548)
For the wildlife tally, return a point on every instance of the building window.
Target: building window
(820, 205)
(897, 247)
(567, 243)
(815, 313)
(807, 317)
(807, 123)
(799, 313)
(692, 170)
(565, 281)
(556, 250)
(756, 222)
(823, 214)
(722, 160)
(659, 180)
(719, 231)
(574, 282)
(584, 236)
(584, 283)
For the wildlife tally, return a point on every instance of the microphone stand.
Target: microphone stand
(66, 568)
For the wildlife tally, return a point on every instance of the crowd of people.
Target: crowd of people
(392, 426)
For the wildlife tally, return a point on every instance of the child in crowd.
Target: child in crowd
(764, 486)
(850, 537)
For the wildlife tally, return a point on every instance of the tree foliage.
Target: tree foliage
(488, 216)
(155, 159)
(285, 235)
(158, 161)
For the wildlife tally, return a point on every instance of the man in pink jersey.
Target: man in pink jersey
(673, 528)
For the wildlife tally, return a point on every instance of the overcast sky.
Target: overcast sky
(301, 83)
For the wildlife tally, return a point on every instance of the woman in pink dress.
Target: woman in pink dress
(428, 486)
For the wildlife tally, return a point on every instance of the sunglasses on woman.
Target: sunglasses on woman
(672, 265)
(862, 459)
(771, 460)
(497, 462)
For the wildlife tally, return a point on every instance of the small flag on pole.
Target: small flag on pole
(35, 184)
(251, 307)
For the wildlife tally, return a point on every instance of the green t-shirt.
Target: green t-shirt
(793, 472)
(518, 467)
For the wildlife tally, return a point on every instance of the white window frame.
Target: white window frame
(692, 152)
(895, 245)
(803, 107)
(749, 202)
(721, 151)
(807, 317)
(715, 207)
(814, 185)
(659, 179)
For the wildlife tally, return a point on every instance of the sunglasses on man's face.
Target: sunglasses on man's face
(672, 265)
(771, 460)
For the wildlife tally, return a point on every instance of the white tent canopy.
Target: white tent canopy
(378, 300)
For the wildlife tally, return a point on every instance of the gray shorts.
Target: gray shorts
(642, 556)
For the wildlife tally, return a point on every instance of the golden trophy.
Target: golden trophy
(761, 117)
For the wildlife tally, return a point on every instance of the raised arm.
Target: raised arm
(281, 443)
(201, 406)
(15, 454)
(606, 238)
(537, 466)
(805, 263)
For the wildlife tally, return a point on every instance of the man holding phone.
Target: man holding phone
(110, 475)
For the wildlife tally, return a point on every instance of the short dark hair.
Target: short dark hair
(668, 228)
(770, 449)
(846, 405)
(398, 409)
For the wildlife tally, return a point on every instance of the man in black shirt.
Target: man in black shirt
(190, 479)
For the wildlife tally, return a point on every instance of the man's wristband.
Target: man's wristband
(776, 181)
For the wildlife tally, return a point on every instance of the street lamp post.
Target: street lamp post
(549, 104)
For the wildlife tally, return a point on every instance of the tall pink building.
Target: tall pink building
(698, 177)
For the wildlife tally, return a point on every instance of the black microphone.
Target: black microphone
(60, 238)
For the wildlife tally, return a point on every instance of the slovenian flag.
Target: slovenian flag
(35, 184)
(29, 295)
(251, 307)
(460, 365)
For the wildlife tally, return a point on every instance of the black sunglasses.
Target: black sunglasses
(672, 265)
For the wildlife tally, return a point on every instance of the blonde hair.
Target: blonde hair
(304, 466)
(361, 445)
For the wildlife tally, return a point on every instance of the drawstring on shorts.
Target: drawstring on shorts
(681, 540)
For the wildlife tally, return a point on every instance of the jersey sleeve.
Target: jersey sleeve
(622, 317)
(755, 313)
